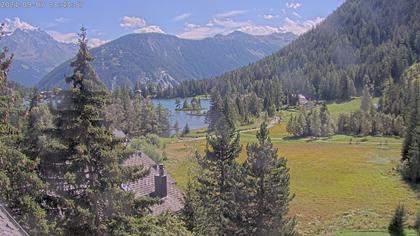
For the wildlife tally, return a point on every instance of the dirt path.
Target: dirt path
(272, 123)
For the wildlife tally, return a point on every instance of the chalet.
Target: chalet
(156, 184)
(8, 225)
(302, 100)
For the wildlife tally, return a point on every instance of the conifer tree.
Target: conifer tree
(162, 118)
(83, 166)
(19, 184)
(396, 226)
(411, 145)
(186, 129)
(315, 124)
(327, 124)
(39, 120)
(188, 212)
(366, 100)
(417, 224)
(216, 209)
(265, 190)
(215, 111)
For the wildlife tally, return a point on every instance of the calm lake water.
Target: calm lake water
(194, 122)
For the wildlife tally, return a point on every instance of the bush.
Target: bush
(396, 226)
(148, 145)
(153, 139)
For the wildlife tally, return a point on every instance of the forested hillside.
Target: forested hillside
(362, 42)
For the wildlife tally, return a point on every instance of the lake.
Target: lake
(194, 122)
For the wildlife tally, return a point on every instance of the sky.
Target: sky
(192, 19)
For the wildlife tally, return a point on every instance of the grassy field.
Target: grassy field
(342, 185)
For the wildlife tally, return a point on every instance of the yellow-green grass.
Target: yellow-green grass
(364, 233)
(343, 185)
(347, 107)
(338, 186)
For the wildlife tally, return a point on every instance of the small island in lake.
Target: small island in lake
(192, 107)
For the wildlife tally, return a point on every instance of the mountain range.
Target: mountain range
(35, 54)
(167, 59)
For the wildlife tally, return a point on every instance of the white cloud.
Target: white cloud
(63, 37)
(270, 17)
(300, 28)
(17, 23)
(139, 25)
(230, 13)
(259, 29)
(296, 14)
(182, 16)
(294, 5)
(198, 32)
(72, 38)
(62, 20)
(150, 29)
(132, 22)
(95, 42)
(225, 26)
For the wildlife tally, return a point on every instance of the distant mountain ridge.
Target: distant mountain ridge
(35, 54)
(167, 59)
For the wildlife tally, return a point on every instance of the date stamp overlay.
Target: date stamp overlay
(40, 4)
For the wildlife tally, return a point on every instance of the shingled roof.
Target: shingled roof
(146, 186)
(8, 226)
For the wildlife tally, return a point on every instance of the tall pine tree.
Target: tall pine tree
(83, 166)
(411, 145)
(20, 186)
(265, 190)
(216, 208)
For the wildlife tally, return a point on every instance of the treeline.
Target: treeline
(61, 173)
(136, 115)
(370, 119)
(312, 123)
(410, 162)
(193, 106)
(228, 198)
(242, 109)
(334, 61)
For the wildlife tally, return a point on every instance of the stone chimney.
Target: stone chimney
(161, 187)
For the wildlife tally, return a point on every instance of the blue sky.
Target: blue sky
(194, 19)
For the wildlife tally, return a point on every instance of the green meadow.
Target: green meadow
(342, 185)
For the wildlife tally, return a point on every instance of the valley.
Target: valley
(339, 187)
(211, 118)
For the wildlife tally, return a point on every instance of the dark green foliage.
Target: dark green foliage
(165, 224)
(351, 48)
(396, 226)
(20, 186)
(82, 164)
(411, 146)
(190, 201)
(216, 209)
(417, 224)
(265, 194)
(135, 115)
(314, 123)
(186, 130)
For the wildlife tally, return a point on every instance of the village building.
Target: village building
(156, 184)
(8, 225)
(302, 100)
